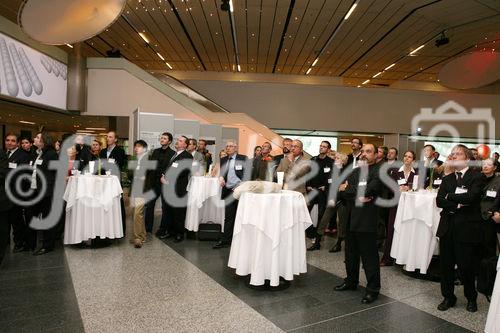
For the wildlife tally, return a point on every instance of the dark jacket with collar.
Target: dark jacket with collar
(488, 201)
(467, 219)
(178, 172)
(364, 216)
(241, 167)
(325, 167)
(43, 169)
(162, 158)
(5, 203)
(118, 154)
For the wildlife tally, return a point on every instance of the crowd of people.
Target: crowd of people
(345, 188)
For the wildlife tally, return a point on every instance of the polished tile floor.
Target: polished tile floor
(187, 287)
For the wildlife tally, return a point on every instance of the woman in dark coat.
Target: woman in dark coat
(45, 153)
(404, 178)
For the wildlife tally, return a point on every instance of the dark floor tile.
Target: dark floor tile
(42, 323)
(448, 327)
(73, 328)
(16, 280)
(311, 315)
(345, 324)
(36, 309)
(287, 306)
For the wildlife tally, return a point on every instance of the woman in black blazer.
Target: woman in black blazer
(40, 162)
(404, 177)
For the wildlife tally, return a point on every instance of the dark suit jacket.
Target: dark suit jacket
(350, 159)
(118, 154)
(363, 218)
(19, 157)
(162, 157)
(183, 162)
(5, 203)
(49, 174)
(467, 219)
(242, 174)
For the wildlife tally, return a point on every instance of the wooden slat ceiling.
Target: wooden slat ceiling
(286, 36)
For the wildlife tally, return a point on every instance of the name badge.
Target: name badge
(138, 167)
(31, 163)
(362, 183)
(175, 165)
(460, 190)
(401, 181)
(326, 170)
(438, 181)
(12, 165)
(111, 160)
(491, 194)
(329, 180)
(238, 167)
(74, 172)
(39, 162)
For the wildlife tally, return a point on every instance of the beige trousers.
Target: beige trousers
(139, 226)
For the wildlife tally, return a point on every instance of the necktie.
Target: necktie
(459, 179)
(9, 153)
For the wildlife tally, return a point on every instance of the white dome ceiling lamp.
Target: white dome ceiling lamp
(473, 70)
(59, 22)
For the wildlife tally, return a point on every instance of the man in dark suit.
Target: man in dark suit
(16, 157)
(5, 206)
(361, 190)
(113, 154)
(175, 182)
(459, 230)
(162, 156)
(233, 170)
(114, 158)
(352, 159)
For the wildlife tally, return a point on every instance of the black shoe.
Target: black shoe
(315, 246)
(369, 298)
(19, 248)
(178, 239)
(344, 286)
(220, 245)
(336, 248)
(448, 303)
(165, 236)
(471, 306)
(160, 233)
(41, 251)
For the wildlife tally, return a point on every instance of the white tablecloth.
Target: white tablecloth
(204, 203)
(92, 208)
(415, 228)
(269, 238)
(493, 320)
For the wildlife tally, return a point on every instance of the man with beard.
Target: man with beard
(361, 190)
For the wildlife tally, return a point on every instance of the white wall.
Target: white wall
(295, 106)
(113, 92)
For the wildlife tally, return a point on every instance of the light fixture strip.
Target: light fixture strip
(69, 45)
(365, 82)
(417, 49)
(390, 66)
(231, 8)
(161, 57)
(374, 76)
(351, 10)
(166, 63)
(143, 36)
(26, 122)
(309, 71)
(315, 62)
